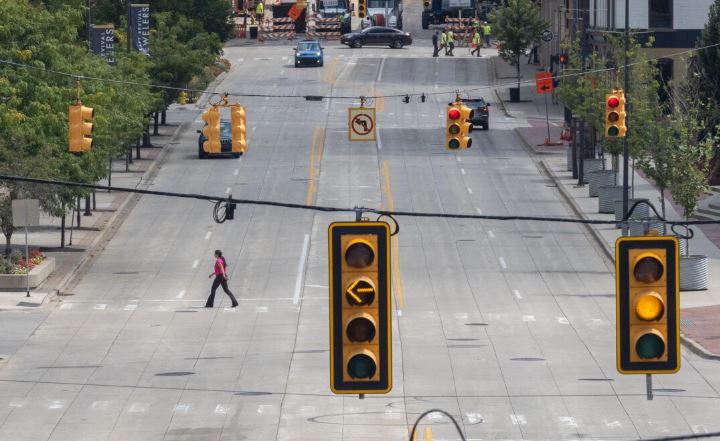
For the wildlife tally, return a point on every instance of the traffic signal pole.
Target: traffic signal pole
(626, 153)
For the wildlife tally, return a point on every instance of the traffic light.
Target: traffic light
(458, 126)
(615, 114)
(647, 305)
(238, 124)
(564, 59)
(362, 8)
(80, 127)
(360, 322)
(211, 130)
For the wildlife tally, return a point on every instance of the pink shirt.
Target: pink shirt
(219, 267)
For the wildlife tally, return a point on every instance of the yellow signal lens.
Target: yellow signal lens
(649, 307)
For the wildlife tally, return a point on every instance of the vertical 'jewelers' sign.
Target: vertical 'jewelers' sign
(140, 28)
(103, 42)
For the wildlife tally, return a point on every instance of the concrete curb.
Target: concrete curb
(690, 344)
(115, 221)
(493, 71)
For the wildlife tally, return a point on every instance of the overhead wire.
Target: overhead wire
(330, 97)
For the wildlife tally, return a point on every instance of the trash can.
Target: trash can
(253, 32)
(514, 94)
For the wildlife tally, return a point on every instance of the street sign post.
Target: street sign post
(361, 123)
(544, 84)
(26, 213)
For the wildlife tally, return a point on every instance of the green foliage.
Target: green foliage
(705, 70)
(516, 26)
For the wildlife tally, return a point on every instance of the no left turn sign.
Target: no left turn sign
(361, 124)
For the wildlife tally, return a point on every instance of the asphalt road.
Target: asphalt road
(508, 326)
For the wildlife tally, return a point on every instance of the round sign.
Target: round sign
(362, 124)
(547, 35)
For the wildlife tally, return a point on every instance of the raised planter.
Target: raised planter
(14, 282)
(694, 273)
(606, 197)
(600, 178)
(591, 165)
(641, 211)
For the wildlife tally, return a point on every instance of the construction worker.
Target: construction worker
(443, 41)
(486, 33)
(259, 12)
(451, 43)
(477, 42)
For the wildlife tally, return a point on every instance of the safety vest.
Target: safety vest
(476, 37)
(486, 29)
(443, 38)
(450, 38)
(260, 9)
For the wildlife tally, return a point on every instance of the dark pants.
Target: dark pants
(476, 50)
(487, 40)
(436, 50)
(220, 281)
(451, 45)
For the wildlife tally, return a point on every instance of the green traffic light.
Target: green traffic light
(453, 144)
(613, 131)
(650, 346)
(361, 366)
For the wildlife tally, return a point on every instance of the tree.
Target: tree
(516, 26)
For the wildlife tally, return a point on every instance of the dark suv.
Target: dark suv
(225, 141)
(481, 113)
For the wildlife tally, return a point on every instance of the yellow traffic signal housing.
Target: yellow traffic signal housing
(238, 125)
(211, 130)
(458, 126)
(360, 321)
(362, 8)
(615, 114)
(80, 128)
(426, 4)
(647, 305)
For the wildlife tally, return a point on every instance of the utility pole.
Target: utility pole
(626, 153)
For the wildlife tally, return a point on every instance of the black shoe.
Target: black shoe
(208, 306)
(235, 305)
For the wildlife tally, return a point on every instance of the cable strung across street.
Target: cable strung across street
(222, 203)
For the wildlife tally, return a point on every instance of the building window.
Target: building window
(661, 14)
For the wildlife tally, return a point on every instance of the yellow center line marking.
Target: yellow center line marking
(316, 150)
(428, 434)
(390, 206)
(379, 100)
(329, 76)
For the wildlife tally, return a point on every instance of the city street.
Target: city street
(509, 326)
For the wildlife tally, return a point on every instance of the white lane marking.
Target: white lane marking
(267, 98)
(182, 408)
(479, 211)
(100, 405)
(66, 306)
(274, 84)
(229, 309)
(437, 87)
(235, 173)
(377, 139)
(567, 421)
(563, 320)
(196, 262)
(391, 114)
(18, 402)
(316, 286)
(208, 234)
(461, 315)
(528, 318)
(130, 307)
(699, 429)
(399, 312)
(261, 309)
(301, 269)
(180, 295)
(458, 159)
(240, 158)
(380, 71)
(222, 409)
(503, 264)
(435, 416)
(491, 234)
(228, 190)
(139, 407)
(518, 419)
(57, 404)
(261, 407)
(613, 424)
(462, 170)
(469, 190)
(282, 72)
(517, 294)
(100, 306)
(597, 321)
(474, 418)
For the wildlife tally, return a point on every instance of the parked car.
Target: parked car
(481, 112)
(309, 53)
(225, 142)
(379, 36)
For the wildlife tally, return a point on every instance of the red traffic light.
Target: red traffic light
(613, 101)
(454, 113)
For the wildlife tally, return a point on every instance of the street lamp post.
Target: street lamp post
(626, 38)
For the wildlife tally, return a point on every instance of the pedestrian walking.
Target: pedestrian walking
(259, 12)
(221, 278)
(533, 57)
(436, 49)
(476, 43)
(443, 41)
(487, 30)
(450, 43)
